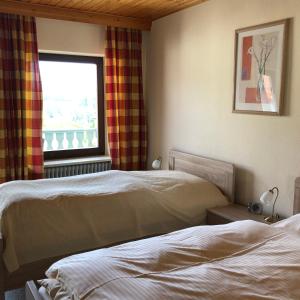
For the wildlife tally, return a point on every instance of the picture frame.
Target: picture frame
(260, 68)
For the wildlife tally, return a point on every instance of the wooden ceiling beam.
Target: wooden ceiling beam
(51, 12)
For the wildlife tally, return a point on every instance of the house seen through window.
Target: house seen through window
(73, 122)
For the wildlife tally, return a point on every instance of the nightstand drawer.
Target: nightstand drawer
(231, 213)
(213, 219)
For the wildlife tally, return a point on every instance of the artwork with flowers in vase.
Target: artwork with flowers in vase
(260, 68)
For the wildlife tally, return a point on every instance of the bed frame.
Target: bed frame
(218, 172)
(297, 196)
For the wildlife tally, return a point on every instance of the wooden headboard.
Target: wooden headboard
(218, 172)
(297, 196)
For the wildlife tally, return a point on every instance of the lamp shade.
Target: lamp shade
(156, 165)
(267, 197)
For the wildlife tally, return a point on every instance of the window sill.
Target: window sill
(77, 161)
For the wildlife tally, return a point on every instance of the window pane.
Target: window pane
(70, 118)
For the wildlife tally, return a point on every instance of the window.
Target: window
(73, 115)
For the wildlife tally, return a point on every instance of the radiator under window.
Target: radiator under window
(55, 169)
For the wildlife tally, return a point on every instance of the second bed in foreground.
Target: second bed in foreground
(241, 260)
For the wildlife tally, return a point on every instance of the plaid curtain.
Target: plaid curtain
(125, 112)
(21, 153)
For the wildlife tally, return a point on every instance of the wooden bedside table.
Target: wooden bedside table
(231, 213)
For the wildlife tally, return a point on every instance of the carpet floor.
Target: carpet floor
(15, 295)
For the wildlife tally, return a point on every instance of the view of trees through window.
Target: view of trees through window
(70, 112)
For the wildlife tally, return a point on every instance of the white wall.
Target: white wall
(190, 94)
(70, 37)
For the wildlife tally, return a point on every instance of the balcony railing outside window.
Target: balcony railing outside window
(69, 139)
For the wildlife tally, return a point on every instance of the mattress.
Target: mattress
(240, 260)
(57, 217)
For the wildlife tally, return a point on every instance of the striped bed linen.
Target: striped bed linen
(240, 260)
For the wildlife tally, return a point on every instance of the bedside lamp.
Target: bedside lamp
(156, 165)
(267, 198)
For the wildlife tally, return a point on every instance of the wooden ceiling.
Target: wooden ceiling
(124, 13)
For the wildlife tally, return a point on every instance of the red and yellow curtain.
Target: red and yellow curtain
(125, 111)
(21, 153)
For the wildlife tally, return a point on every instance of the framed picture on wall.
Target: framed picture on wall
(260, 63)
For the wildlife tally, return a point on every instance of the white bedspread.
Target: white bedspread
(242, 260)
(55, 217)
